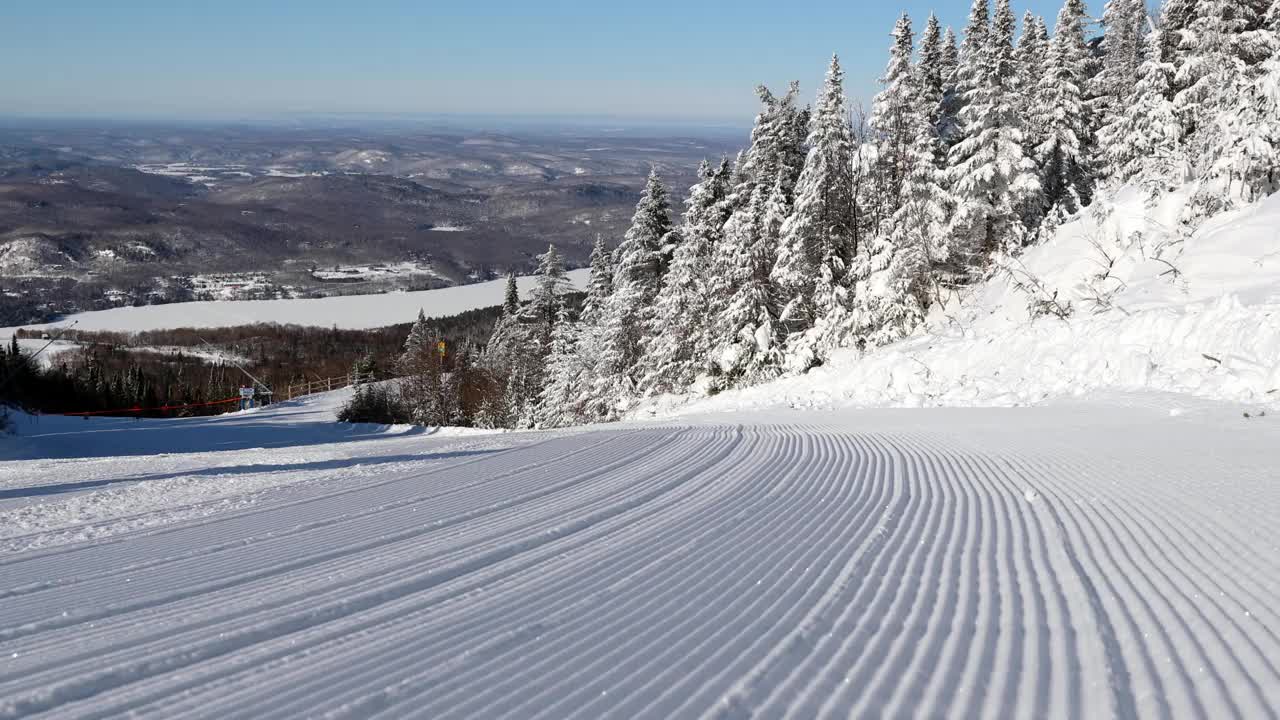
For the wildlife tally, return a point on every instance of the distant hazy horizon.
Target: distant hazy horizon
(536, 123)
(665, 60)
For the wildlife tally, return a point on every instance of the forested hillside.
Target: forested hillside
(839, 229)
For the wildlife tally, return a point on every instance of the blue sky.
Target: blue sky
(686, 59)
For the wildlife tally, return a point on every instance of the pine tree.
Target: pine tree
(749, 349)
(419, 338)
(1175, 19)
(972, 67)
(421, 385)
(773, 161)
(1145, 143)
(552, 284)
(1124, 22)
(931, 78)
(1064, 119)
(676, 346)
(777, 145)
(560, 403)
(949, 122)
(1243, 161)
(511, 297)
(521, 342)
(637, 280)
(891, 119)
(1032, 59)
(1209, 63)
(506, 334)
(892, 280)
(464, 386)
(993, 181)
(1256, 44)
(601, 283)
(819, 238)
(505, 355)
(364, 368)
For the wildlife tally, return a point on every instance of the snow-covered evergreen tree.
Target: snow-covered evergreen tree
(525, 338)
(1124, 23)
(972, 66)
(993, 182)
(931, 81)
(1032, 59)
(773, 162)
(676, 347)
(1256, 44)
(418, 340)
(421, 385)
(892, 280)
(818, 239)
(1145, 142)
(545, 304)
(1243, 161)
(1064, 119)
(749, 347)
(636, 282)
(1210, 61)
(511, 297)
(497, 353)
(507, 356)
(601, 285)
(892, 115)
(949, 122)
(777, 145)
(561, 401)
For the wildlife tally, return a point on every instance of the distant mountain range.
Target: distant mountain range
(94, 217)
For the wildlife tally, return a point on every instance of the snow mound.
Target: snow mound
(1151, 308)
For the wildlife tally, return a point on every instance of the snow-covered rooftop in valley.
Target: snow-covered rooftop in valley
(346, 312)
(1029, 562)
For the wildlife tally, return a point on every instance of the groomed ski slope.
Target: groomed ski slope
(1072, 560)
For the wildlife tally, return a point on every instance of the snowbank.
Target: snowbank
(66, 480)
(1151, 311)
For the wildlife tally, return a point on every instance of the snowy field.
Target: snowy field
(1081, 559)
(350, 312)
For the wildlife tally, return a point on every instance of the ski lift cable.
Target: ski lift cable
(52, 340)
(238, 365)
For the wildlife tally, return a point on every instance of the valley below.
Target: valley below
(94, 217)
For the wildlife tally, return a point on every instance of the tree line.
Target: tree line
(836, 228)
(186, 367)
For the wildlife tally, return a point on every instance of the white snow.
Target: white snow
(346, 312)
(1073, 560)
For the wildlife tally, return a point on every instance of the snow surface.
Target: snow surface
(1072, 560)
(352, 312)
